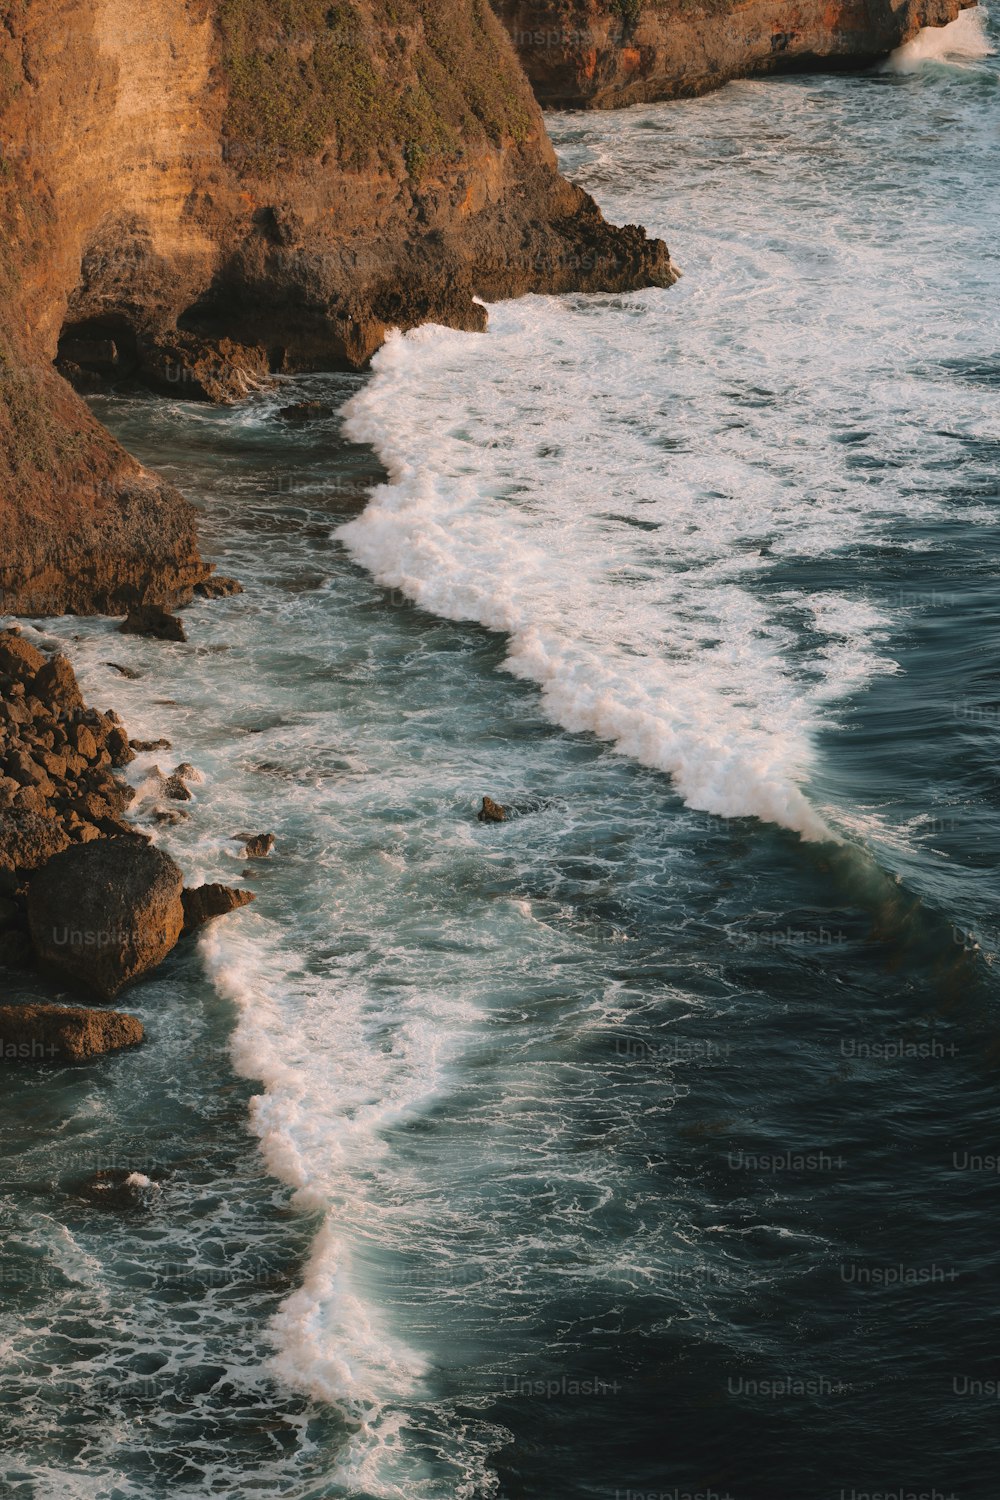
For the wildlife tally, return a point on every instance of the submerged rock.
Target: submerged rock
(104, 913)
(203, 903)
(117, 1187)
(492, 812)
(218, 587)
(153, 620)
(57, 1033)
(305, 411)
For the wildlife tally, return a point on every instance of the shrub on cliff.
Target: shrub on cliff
(415, 79)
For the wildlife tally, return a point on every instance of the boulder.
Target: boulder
(106, 912)
(256, 845)
(154, 620)
(142, 746)
(55, 682)
(18, 659)
(492, 812)
(56, 1033)
(28, 840)
(217, 587)
(197, 369)
(123, 671)
(204, 903)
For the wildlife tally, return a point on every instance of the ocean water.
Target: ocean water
(646, 1143)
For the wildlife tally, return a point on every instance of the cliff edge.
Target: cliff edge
(600, 54)
(198, 192)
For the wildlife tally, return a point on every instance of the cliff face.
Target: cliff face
(198, 191)
(600, 54)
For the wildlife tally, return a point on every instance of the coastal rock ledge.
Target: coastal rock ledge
(57, 1033)
(199, 193)
(601, 54)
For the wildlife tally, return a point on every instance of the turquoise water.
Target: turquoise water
(641, 1144)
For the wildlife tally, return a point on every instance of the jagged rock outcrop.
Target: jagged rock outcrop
(56, 1033)
(600, 54)
(202, 191)
(203, 903)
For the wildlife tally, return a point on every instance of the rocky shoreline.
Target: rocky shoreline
(226, 189)
(205, 200)
(603, 54)
(86, 899)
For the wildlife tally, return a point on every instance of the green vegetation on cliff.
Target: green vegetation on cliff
(373, 78)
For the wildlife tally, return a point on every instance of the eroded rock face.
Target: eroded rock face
(104, 913)
(203, 195)
(602, 54)
(57, 1033)
(57, 760)
(203, 903)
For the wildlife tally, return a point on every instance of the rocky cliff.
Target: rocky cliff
(600, 54)
(196, 192)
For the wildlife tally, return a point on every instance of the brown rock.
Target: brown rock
(277, 211)
(104, 913)
(142, 746)
(257, 845)
(119, 748)
(218, 587)
(175, 789)
(124, 671)
(603, 54)
(492, 812)
(204, 903)
(31, 799)
(50, 1033)
(204, 369)
(55, 682)
(18, 659)
(29, 839)
(86, 745)
(169, 817)
(55, 765)
(153, 620)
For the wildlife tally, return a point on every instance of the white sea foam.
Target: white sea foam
(962, 41)
(323, 1122)
(546, 507)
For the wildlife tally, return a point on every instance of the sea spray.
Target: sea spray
(962, 41)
